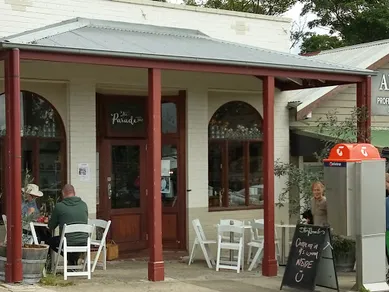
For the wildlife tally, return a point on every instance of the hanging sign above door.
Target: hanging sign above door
(126, 118)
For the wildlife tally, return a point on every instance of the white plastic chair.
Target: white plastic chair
(233, 221)
(202, 241)
(256, 242)
(63, 246)
(100, 243)
(5, 226)
(235, 238)
(255, 237)
(33, 232)
(225, 244)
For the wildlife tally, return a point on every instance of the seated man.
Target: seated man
(72, 210)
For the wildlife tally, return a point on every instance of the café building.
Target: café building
(154, 123)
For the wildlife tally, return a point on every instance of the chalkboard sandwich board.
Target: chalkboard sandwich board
(311, 261)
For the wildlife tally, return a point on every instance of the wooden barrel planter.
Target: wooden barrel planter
(33, 260)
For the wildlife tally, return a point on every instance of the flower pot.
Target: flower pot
(33, 261)
(344, 261)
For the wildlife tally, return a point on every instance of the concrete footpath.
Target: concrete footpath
(132, 276)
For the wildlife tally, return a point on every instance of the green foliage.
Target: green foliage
(313, 42)
(342, 244)
(53, 280)
(332, 131)
(268, 7)
(354, 21)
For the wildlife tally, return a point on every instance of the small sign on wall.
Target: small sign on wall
(380, 94)
(83, 171)
(165, 167)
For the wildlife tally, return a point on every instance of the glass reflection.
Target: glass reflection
(236, 174)
(125, 177)
(169, 175)
(215, 186)
(169, 117)
(27, 160)
(38, 119)
(50, 170)
(256, 174)
(2, 209)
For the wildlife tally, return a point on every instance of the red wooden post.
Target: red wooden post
(269, 263)
(368, 110)
(156, 265)
(13, 173)
(361, 104)
(7, 174)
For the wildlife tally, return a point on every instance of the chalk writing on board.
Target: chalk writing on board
(308, 253)
(311, 247)
(124, 117)
(310, 231)
(299, 276)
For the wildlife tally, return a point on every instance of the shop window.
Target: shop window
(169, 117)
(43, 148)
(235, 171)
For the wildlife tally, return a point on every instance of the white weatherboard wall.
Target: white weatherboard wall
(263, 31)
(343, 103)
(75, 100)
(81, 130)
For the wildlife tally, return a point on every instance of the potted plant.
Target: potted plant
(34, 257)
(214, 200)
(344, 253)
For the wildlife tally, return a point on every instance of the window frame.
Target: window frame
(35, 141)
(224, 147)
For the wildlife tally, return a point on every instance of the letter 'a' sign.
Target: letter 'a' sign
(380, 94)
(311, 260)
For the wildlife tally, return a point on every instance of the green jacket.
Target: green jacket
(71, 210)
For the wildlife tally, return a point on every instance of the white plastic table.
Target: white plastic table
(283, 240)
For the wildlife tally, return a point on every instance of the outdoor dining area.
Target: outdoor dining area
(94, 253)
(232, 237)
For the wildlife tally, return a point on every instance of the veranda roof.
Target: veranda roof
(99, 37)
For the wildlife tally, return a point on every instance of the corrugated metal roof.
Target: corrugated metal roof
(147, 41)
(360, 56)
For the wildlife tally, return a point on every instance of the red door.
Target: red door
(123, 192)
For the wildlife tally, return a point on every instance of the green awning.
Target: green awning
(379, 137)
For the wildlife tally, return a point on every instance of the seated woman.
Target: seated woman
(29, 206)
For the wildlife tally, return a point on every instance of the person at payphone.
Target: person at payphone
(319, 204)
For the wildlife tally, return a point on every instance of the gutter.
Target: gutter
(28, 47)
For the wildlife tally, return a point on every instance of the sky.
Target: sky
(294, 13)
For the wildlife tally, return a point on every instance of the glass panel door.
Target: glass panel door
(125, 184)
(125, 189)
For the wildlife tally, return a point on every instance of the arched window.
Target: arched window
(235, 157)
(43, 146)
